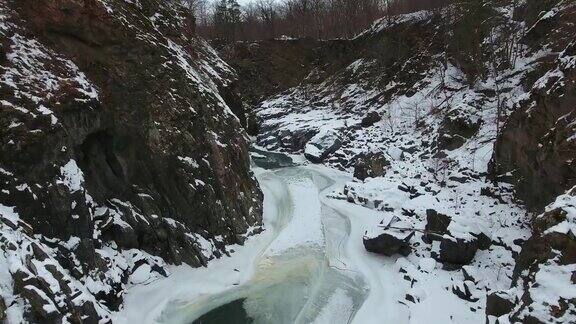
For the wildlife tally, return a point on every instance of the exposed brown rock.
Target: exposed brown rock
(370, 165)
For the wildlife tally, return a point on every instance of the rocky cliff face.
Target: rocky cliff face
(270, 66)
(536, 150)
(119, 153)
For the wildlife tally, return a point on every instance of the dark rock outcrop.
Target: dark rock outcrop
(389, 244)
(138, 146)
(458, 126)
(370, 165)
(457, 251)
(536, 149)
(550, 250)
(436, 225)
(269, 66)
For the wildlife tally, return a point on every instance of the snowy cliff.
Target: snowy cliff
(119, 153)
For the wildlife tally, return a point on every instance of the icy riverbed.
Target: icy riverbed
(309, 266)
(295, 272)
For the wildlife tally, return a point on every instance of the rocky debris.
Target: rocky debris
(370, 165)
(545, 267)
(389, 244)
(492, 193)
(42, 306)
(436, 226)
(273, 138)
(463, 291)
(370, 119)
(321, 145)
(414, 193)
(459, 124)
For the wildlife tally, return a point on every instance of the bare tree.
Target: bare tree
(322, 19)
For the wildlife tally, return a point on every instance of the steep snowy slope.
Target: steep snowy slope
(118, 154)
(431, 111)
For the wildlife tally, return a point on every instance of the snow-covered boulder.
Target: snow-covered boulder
(458, 251)
(324, 143)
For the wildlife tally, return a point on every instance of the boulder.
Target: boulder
(459, 124)
(370, 165)
(436, 226)
(498, 304)
(370, 119)
(321, 145)
(458, 251)
(389, 244)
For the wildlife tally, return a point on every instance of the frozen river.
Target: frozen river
(305, 268)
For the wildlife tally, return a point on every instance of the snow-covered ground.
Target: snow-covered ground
(310, 266)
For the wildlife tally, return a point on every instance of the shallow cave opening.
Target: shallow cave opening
(100, 159)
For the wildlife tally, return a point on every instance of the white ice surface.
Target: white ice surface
(146, 303)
